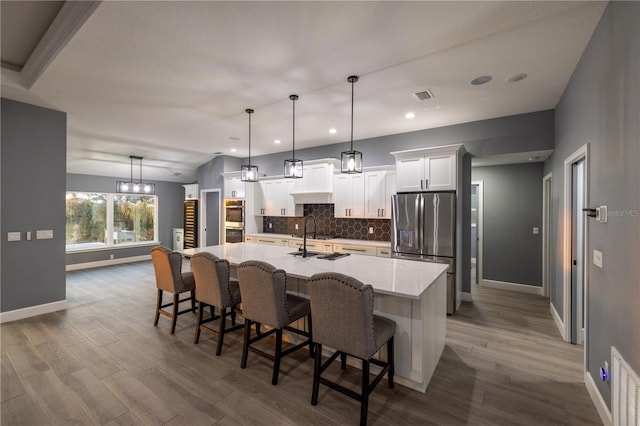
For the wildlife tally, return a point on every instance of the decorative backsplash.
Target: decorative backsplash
(357, 229)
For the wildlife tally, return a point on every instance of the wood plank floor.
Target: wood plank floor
(102, 362)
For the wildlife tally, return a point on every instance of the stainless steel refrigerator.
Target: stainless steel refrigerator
(424, 228)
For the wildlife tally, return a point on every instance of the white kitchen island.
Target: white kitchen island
(411, 293)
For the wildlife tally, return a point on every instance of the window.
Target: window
(96, 220)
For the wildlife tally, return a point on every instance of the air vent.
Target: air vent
(424, 95)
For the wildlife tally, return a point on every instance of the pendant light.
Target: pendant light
(351, 160)
(249, 172)
(293, 166)
(133, 187)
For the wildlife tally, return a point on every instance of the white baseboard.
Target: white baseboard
(557, 320)
(108, 262)
(466, 297)
(601, 406)
(32, 311)
(502, 285)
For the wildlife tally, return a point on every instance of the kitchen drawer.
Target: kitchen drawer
(383, 252)
(270, 241)
(347, 248)
(248, 239)
(311, 245)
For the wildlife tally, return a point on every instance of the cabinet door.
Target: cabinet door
(342, 195)
(389, 191)
(410, 174)
(233, 187)
(374, 189)
(285, 199)
(268, 198)
(357, 196)
(441, 172)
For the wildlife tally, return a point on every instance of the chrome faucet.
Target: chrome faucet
(304, 236)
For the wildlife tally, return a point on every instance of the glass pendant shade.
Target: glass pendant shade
(249, 172)
(133, 187)
(351, 161)
(293, 166)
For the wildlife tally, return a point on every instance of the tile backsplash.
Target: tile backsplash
(357, 229)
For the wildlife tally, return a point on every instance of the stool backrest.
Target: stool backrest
(264, 293)
(342, 312)
(168, 268)
(212, 279)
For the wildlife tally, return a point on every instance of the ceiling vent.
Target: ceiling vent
(424, 95)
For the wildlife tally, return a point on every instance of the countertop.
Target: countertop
(370, 243)
(397, 277)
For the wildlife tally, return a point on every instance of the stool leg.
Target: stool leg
(245, 344)
(193, 301)
(311, 346)
(364, 407)
(223, 315)
(196, 338)
(343, 360)
(233, 316)
(176, 297)
(155, 320)
(276, 361)
(391, 362)
(317, 364)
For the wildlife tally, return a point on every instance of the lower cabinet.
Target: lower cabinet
(355, 249)
(269, 241)
(311, 245)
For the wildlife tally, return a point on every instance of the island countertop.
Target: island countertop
(397, 277)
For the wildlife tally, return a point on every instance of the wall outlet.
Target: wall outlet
(536, 230)
(28, 236)
(296, 226)
(597, 258)
(112, 256)
(44, 234)
(270, 225)
(371, 229)
(13, 236)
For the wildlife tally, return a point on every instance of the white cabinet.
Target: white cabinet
(355, 249)
(273, 198)
(233, 186)
(190, 191)
(348, 195)
(379, 187)
(271, 241)
(433, 169)
(316, 185)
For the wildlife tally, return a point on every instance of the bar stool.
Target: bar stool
(265, 301)
(167, 265)
(342, 309)
(216, 290)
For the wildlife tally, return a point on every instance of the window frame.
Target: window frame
(109, 245)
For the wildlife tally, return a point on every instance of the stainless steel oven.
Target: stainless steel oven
(234, 213)
(234, 235)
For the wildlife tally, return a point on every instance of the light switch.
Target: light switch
(28, 235)
(371, 229)
(44, 234)
(13, 236)
(536, 230)
(597, 258)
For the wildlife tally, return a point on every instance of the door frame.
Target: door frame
(581, 154)
(547, 191)
(480, 229)
(203, 216)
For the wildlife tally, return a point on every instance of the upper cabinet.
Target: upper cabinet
(190, 191)
(429, 169)
(379, 186)
(316, 185)
(348, 195)
(273, 198)
(233, 186)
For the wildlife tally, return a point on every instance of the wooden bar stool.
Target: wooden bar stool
(216, 290)
(265, 301)
(167, 265)
(342, 309)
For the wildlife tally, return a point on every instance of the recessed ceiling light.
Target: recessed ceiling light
(516, 78)
(277, 141)
(483, 79)
(233, 150)
(332, 131)
(410, 114)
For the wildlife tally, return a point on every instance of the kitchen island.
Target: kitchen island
(411, 293)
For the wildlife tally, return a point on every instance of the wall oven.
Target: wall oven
(234, 235)
(234, 213)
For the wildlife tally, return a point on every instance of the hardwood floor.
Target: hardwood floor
(102, 362)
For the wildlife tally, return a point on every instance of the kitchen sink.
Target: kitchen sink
(325, 256)
(309, 253)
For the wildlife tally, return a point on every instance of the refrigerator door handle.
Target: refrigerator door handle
(418, 225)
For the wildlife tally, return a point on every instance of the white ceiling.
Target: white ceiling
(170, 81)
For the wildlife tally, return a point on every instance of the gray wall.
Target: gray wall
(516, 133)
(170, 214)
(209, 174)
(512, 206)
(601, 107)
(33, 155)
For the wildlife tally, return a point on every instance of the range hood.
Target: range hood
(317, 197)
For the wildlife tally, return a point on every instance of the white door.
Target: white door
(440, 172)
(410, 174)
(577, 251)
(375, 193)
(357, 196)
(342, 195)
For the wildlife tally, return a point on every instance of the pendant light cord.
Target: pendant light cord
(131, 168)
(140, 171)
(352, 81)
(293, 151)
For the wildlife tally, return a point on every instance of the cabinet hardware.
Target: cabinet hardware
(353, 249)
(426, 184)
(382, 210)
(421, 184)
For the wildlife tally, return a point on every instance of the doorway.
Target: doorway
(476, 232)
(576, 283)
(211, 214)
(547, 209)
